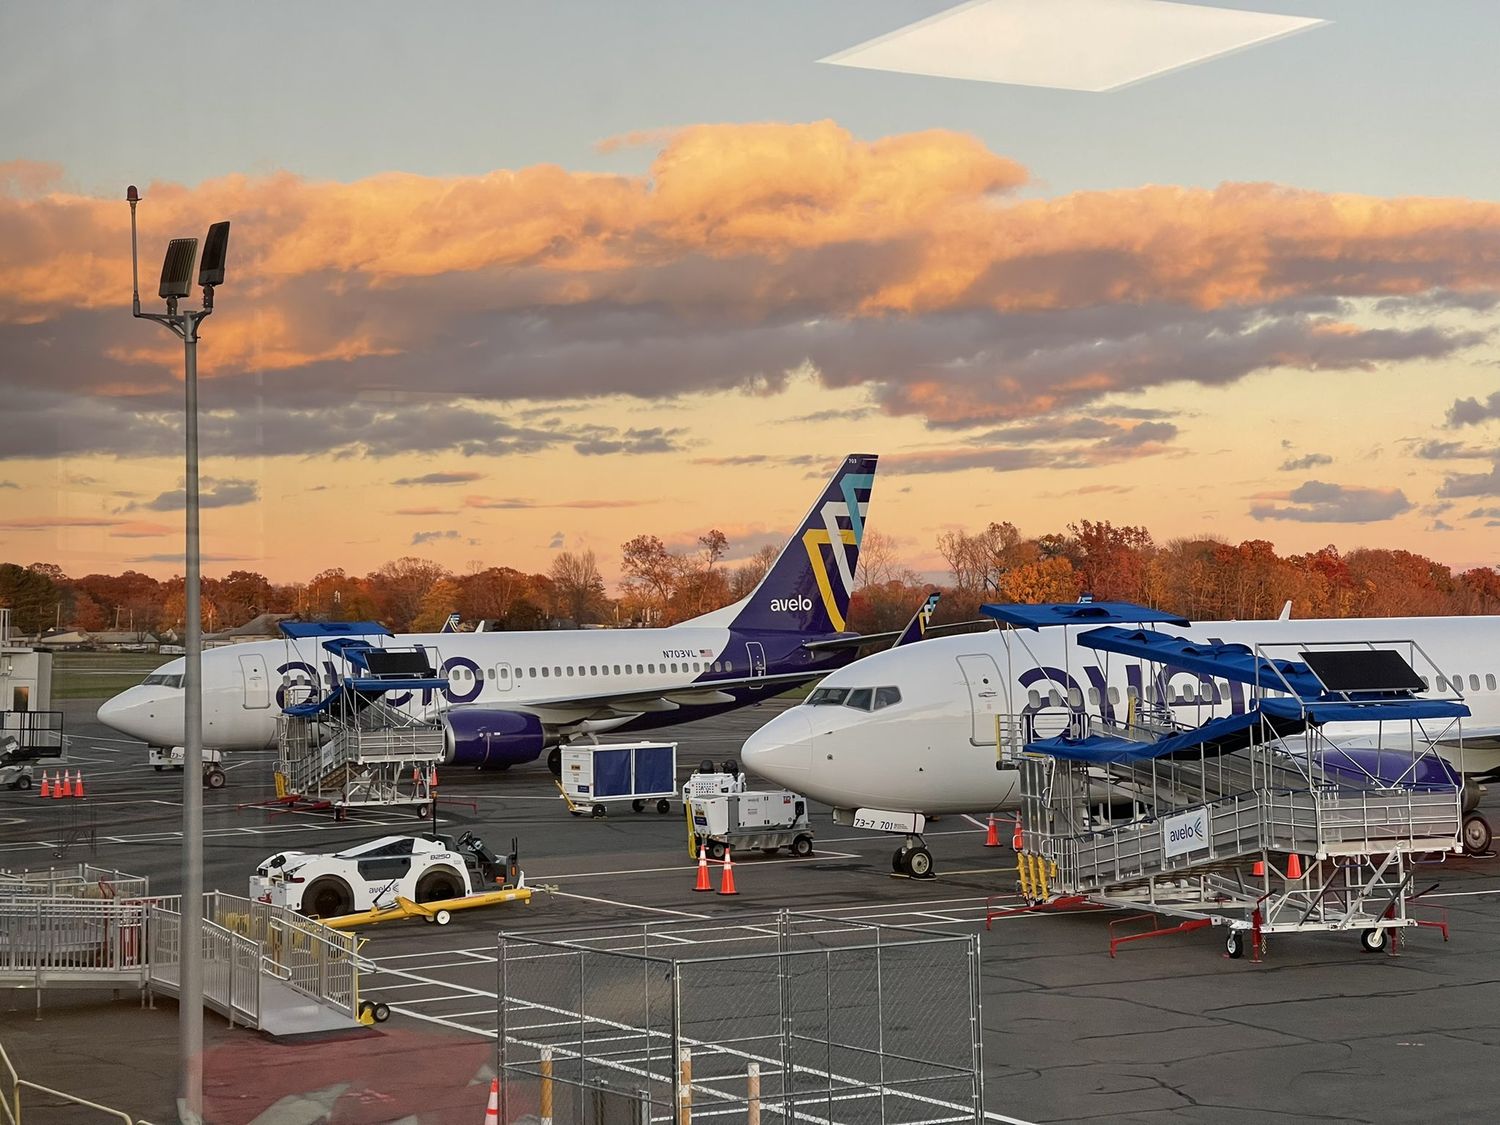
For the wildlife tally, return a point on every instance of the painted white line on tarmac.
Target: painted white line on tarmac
(688, 866)
(633, 906)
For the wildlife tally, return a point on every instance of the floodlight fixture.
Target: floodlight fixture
(215, 249)
(176, 281)
(177, 268)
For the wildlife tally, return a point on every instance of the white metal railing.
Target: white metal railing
(83, 881)
(317, 961)
(69, 940)
(1306, 821)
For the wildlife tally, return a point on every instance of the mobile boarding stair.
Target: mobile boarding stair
(355, 746)
(264, 967)
(1210, 823)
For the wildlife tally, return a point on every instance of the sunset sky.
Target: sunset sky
(506, 279)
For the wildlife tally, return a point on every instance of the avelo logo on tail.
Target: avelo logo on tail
(791, 605)
(843, 544)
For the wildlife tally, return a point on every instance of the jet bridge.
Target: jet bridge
(1261, 819)
(353, 747)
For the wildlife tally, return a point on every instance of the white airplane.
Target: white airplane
(511, 696)
(911, 732)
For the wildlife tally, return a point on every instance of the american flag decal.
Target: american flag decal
(705, 652)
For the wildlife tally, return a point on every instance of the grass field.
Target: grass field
(99, 675)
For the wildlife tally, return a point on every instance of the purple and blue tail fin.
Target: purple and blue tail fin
(808, 586)
(916, 629)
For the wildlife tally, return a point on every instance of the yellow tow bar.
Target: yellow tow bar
(438, 912)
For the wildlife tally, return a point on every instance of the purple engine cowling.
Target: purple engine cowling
(485, 738)
(1396, 767)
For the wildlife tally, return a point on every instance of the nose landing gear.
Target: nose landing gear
(913, 859)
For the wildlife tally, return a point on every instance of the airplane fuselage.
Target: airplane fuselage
(935, 751)
(246, 685)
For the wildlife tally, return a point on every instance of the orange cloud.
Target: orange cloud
(745, 252)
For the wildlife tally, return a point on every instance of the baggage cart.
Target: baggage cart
(596, 777)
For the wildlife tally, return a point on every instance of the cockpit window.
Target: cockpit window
(861, 699)
(157, 679)
(827, 697)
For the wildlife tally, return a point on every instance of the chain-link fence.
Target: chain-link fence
(793, 1016)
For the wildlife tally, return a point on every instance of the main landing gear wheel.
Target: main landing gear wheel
(1476, 835)
(1373, 941)
(1234, 944)
(554, 761)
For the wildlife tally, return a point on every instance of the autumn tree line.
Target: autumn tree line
(1201, 578)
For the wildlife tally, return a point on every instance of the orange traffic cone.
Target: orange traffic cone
(57, 787)
(1259, 870)
(726, 885)
(1294, 866)
(703, 883)
(46, 789)
(992, 835)
(67, 785)
(432, 778)
(492, 1111)
(1017, 840)
(78, 785)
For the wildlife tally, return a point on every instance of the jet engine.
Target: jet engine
(489, 738)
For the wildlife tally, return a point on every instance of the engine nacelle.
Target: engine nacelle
(488, 738)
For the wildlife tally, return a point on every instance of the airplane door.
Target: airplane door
(503, 680)
(757, 655)
(257, 684)
(983, 677)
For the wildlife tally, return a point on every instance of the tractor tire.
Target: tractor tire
(439, 883)
(327, 897)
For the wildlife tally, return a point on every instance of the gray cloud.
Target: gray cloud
(1472, 484)
(1484, 513)
(421, 537)
(440, 478)
(557, 541)
(211, 494)
(1470, 411)
(1319, 502)
(1440, 525)
(169, 557)
(515, 503)
(1307, 461)
(9, 484)
(1439, 300)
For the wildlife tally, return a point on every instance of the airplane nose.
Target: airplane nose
(781, 751)
(135, 713)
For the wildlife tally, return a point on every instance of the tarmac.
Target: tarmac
(1169, 1031)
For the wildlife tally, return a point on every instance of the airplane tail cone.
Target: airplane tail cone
(492, 1111)
(703, 883)
(46, 789)
(1294, 866)
(726, 885)
(992, 834)
(78, 786)
(67, 786)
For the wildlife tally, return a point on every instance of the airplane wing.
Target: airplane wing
(860, 640)
(569, 709)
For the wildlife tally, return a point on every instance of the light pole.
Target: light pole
(176, 281)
